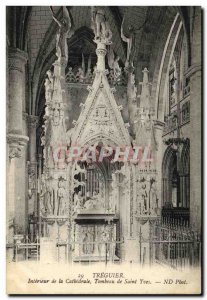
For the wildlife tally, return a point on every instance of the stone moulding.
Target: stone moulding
(16, 144)
(17, 59)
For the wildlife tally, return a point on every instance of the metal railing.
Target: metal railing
(25, 249)
(106, 251)
(175, 245)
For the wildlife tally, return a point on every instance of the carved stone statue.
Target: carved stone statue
(98, 22)
(94, 202)
(61, 197)
(47, 90)
(114, 63)
(56, 115)
(130, 40)
(89, 204)
(117, 69)
(144, 197)
(51, 79)
(85, 240)
(46, 196)
(78, 201)
(32, 178)
(65, 31)
(49, 86)
(108, 33)
(153, 196)
(48, 202)
(105, 236)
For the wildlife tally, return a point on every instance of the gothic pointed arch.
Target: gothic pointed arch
(175, 180)
(170, 179)
(185, 158)
(185, 175)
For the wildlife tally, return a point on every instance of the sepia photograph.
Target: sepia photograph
(104, 150)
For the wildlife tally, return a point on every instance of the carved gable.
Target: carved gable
(100, 118)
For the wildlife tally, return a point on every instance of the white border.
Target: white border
(3, 105)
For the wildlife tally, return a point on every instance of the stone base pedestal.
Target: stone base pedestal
(131, 250)
(48, 251)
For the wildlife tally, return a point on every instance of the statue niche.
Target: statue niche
(89, 189)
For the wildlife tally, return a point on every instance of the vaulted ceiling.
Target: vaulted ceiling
(32, 29)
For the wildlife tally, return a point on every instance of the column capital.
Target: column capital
(16, 144)
(16, 59)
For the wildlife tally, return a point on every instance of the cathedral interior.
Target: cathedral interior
(107, 80)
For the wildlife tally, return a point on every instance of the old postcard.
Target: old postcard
(104, 143)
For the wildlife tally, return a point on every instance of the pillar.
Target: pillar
(16, 143)
(195, 73)
(158, 127)
(32, 166)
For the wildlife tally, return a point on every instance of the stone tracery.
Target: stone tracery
(96, 190)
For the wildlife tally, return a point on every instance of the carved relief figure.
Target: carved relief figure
(104, 240)
(61, 194)
(88, 237)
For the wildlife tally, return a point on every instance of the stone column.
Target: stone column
(195, 150)
(132, 96)
(32, 167)
(16, 64)
(33, 120)
(16, 142)
(195, 73)
(158, 126)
